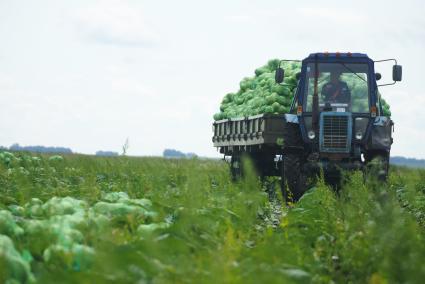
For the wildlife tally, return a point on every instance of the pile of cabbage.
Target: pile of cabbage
(58, 231)
(385, 107)
(260, 94)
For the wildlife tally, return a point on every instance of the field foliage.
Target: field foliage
(121, 219)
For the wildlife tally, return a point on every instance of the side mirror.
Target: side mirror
(378, 76)
(397, 73)
(298, 76)
(280, 74)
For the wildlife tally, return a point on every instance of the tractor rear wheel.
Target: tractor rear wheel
(294, 177)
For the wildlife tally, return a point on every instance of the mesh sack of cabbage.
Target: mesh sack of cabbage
(7, 158)
(8, 225)
(385, 108)
(14, 267)
(260, 94)
(56, 231)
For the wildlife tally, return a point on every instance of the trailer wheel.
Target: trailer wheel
(294, 177)
(264, 164)
(236, 167)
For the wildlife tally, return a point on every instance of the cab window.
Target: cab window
(340, 86)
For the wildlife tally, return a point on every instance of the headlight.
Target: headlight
(359, 135)
(311, 134)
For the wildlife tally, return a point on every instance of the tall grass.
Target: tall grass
(220, 230)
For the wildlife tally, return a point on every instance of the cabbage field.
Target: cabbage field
(75, 218)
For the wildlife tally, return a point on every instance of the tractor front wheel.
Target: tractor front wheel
(377, 165)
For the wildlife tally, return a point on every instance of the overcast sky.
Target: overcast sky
(87, 74)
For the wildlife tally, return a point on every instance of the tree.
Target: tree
(125, 147)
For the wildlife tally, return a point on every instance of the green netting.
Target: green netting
(7, 158)
(16, 210)
(8, 225)
(260, 94)
(119, 209)
(147, 229)
(13, 267)
(63, 206)
(56, 158)
(115, 196)
(76, 256)
(56, 230)
(385, 107)
(34, 208)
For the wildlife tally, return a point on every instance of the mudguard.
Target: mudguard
(380, 137)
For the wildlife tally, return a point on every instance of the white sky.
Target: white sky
(87, 74)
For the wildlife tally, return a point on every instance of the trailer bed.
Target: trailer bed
(263, 130)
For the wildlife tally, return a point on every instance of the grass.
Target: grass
(218, 231)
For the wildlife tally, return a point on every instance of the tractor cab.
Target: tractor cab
(337, 117)
(336, 102)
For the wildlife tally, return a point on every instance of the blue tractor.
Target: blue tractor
(337, 120)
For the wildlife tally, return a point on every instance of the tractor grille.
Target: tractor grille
(335, 133)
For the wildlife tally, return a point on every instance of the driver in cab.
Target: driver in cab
(336, 91)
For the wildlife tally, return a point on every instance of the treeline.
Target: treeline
(40, 149)
(409, 162)
(48, 149)
(172, 153)
(106, 153)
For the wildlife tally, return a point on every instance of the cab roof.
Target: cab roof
(337, 55)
